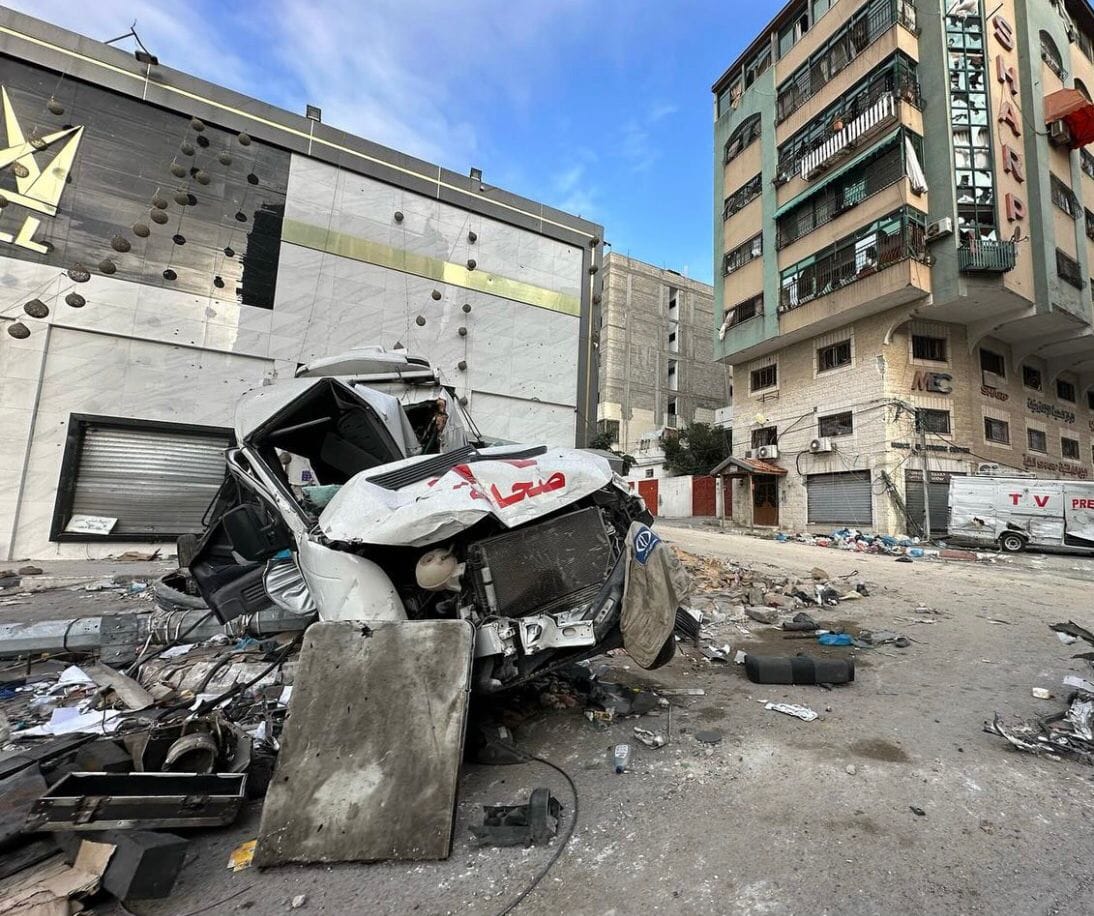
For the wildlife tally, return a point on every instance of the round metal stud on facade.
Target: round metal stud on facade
(436, 294)
(462, 331)
(203, 142)
(186, 148)
(75, 300)
(182, 198)
(107, 266)
(159, 202)
(178, 170)
(141, 230)
(224, 158)
(252, 178)
(20, 170)
(466, 308)
(36, 308)
(218, 282)
(158, 217)
(472, 237)
(197, 124)
(398, 216)
(18, 330)
(244, 139)
(420, 321)
(77, 273)
(178, 238)
(462, 365)
(55, 107)
(229, 251)
(169, 274)
(202, 177)
(120, 243)
(472, 263)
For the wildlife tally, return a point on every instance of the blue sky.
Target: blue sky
(600, 108)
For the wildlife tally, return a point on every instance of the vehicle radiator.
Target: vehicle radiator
(548, 566)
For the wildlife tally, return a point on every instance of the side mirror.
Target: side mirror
(254, 537)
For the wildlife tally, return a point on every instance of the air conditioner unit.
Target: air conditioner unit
(821, 445)
(767, 452)
(991, 380)
(1059, 133)
(939, 228)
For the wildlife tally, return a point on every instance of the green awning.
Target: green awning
(887, 140)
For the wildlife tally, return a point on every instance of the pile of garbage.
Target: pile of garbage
(1068, 732)
(106, 752)
(886, 544)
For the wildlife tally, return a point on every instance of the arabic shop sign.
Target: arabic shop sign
(1063, 468)
(1050, 410)
(934, 382)
(989, 392)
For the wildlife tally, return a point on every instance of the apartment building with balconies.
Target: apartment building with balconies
(904, 240)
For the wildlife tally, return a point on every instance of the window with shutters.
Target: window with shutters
(764, 378)
(834, 356)
(136, 480)
(1069, 448)
(1038, 441)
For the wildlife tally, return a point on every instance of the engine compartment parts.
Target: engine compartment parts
(529, 824)
(438, 570)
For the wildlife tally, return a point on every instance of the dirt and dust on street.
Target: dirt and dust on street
(892, 799)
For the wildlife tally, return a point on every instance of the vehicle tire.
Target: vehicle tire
(1012, 543)
(666, 655)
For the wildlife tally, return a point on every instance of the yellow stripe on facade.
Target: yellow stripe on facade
(319, 238)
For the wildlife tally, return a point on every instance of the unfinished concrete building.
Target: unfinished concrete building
(657, 367)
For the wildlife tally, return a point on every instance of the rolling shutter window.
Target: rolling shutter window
(841, 499)
(156, 482)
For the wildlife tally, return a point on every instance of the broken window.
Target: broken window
(837, 424)
(765, 435)
(934, 421)
(1069, 448)
(1031, 378)
(834, 356)
(929, 348)
(996, 430)
(765, 377)
(1038, 441)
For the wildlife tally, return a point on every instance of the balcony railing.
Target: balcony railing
(875, 119)
(986, 257)
(850, 264)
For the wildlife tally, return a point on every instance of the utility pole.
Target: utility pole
(922, 431)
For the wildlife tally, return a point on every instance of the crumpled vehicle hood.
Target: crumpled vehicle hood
(513, 490)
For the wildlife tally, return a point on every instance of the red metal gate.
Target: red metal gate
(704, 502)
(647, 489)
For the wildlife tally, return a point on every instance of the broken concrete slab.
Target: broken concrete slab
(371, 750)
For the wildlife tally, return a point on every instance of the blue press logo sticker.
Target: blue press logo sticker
(644, 542)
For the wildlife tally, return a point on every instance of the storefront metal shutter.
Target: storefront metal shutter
(153, 482)
(939, 489)
(841, 499)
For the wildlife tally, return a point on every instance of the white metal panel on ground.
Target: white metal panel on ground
(152, 481)
(841, 499)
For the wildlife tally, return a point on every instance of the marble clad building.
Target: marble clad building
(166, 245)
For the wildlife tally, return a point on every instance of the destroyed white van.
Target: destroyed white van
(359, 491)
(1019, 512)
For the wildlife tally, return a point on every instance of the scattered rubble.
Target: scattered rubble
(904, 548)
(1067, 733)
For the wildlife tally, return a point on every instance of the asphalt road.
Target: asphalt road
(771, 821)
